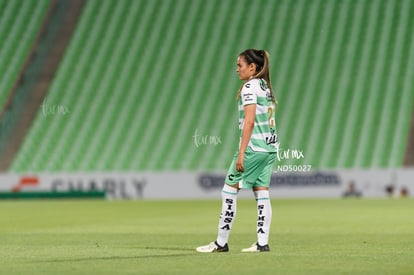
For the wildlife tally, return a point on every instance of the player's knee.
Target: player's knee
(258, 188)
(236, 186)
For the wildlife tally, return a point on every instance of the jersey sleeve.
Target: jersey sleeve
(248, 94)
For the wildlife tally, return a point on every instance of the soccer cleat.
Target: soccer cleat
(212, 247)
(257, 248)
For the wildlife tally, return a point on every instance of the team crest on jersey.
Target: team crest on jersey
(263, 84)
(268, 96)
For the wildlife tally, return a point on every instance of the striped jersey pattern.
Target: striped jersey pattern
(264, 136)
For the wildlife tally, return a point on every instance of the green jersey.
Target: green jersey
(264, 137)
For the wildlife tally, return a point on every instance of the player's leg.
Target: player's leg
(227, 216)
(228, 211)
(264, 208)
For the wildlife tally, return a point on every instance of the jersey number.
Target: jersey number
(273, 138)
(270, 118)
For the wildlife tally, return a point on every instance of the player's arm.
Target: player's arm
(249, 116)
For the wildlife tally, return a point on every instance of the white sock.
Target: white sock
(228, 213)
(264, 216)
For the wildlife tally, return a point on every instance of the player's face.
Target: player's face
(244, 70)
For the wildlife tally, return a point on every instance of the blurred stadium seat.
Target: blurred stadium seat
(19, 23)
(141, 78)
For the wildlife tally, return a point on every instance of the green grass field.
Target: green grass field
(159, 237)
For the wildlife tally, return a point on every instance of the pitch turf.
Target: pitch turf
(159, 237)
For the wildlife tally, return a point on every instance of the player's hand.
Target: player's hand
(240, 163)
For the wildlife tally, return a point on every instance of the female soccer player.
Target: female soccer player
(252, 164)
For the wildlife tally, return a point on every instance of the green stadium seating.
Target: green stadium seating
(139, 78)
(20, 21)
